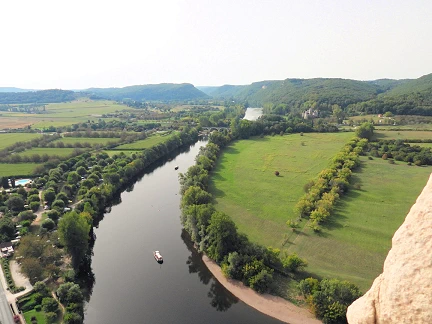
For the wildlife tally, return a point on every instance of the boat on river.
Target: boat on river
(158, 256)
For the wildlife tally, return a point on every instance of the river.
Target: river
(131, 287)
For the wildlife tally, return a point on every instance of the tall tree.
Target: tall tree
(74, 235)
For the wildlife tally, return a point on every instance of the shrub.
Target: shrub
(370, 157)
(38, 308)
(276, 173)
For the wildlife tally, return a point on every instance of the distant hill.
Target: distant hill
(12, 89)
(42, 96)
(409, 97)
(150, 92)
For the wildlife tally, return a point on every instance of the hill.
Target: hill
(42, 96)
(297, 94)
(409, 97)
(150, 92)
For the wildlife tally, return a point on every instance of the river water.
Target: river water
(131, 287)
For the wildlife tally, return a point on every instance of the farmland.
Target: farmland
(8, 169)
(354, 243)
(143, 144)
(7, 139)
(90, 140)
(403, 135)
(62, 114)
(62, 152)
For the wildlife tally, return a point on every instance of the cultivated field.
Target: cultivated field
(143, 144)
(8, 169)
(62, 152)
(354, 244)
(91, 140)
(7, 139)
(62, 114)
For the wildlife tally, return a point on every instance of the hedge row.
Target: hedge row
(318, 202)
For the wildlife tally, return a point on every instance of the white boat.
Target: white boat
(158, 256)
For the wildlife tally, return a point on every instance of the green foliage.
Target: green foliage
(54, 215)
(50, 317)
(221, 236)
(73, 232)
(7, 229)
(15, 202)
(293, 263)
(48, 224)
(330, 299)
(26, 215)
(72, 318)
(49, 196)
(365, 130)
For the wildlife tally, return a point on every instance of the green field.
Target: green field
(354, 244)
(91, 140)
(143, 144)
(246, 188)
(7, 139)
(40, 316)
(8, 169)
(62, 152)
(384, 134)
(114, 152)
(63, 114)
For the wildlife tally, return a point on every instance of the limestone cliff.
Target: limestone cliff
(403, 292)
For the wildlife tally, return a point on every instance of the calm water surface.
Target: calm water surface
(131, 287)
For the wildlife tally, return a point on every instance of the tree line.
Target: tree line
(322, 193)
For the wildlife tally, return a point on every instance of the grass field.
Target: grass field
(245, 187)
(62, 114)
(354, 244)
(143, 144)
(7, 139)
(63, 152)
(91, 140)
(114, 152)
(8, 169)
(384, 134)
(40, 316)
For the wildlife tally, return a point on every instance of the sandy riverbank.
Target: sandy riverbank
(270, 305)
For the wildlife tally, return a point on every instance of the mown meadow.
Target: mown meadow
(355, 241)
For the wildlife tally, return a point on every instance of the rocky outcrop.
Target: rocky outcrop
(403, 292)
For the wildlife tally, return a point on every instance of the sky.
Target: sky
(92, 43)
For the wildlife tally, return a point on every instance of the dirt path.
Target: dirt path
(39, 212)
(273, 306)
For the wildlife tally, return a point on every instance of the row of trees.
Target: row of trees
(318, 202)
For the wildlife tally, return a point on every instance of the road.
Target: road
(5, 310)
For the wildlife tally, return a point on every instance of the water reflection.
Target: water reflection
(221, 299)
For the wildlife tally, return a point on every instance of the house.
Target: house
(6, 249)
(310, 113)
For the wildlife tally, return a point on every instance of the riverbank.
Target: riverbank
(273, 306)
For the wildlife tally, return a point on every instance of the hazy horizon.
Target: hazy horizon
(51, 44)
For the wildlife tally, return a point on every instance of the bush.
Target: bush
(50, 317)
(276, 173)
(34, 206)
(48, 224)
(38, 308)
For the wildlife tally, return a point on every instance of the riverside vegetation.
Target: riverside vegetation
(216, 234)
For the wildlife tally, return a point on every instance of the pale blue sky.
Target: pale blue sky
(92, 43)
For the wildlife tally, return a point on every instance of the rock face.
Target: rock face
(403, 292)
